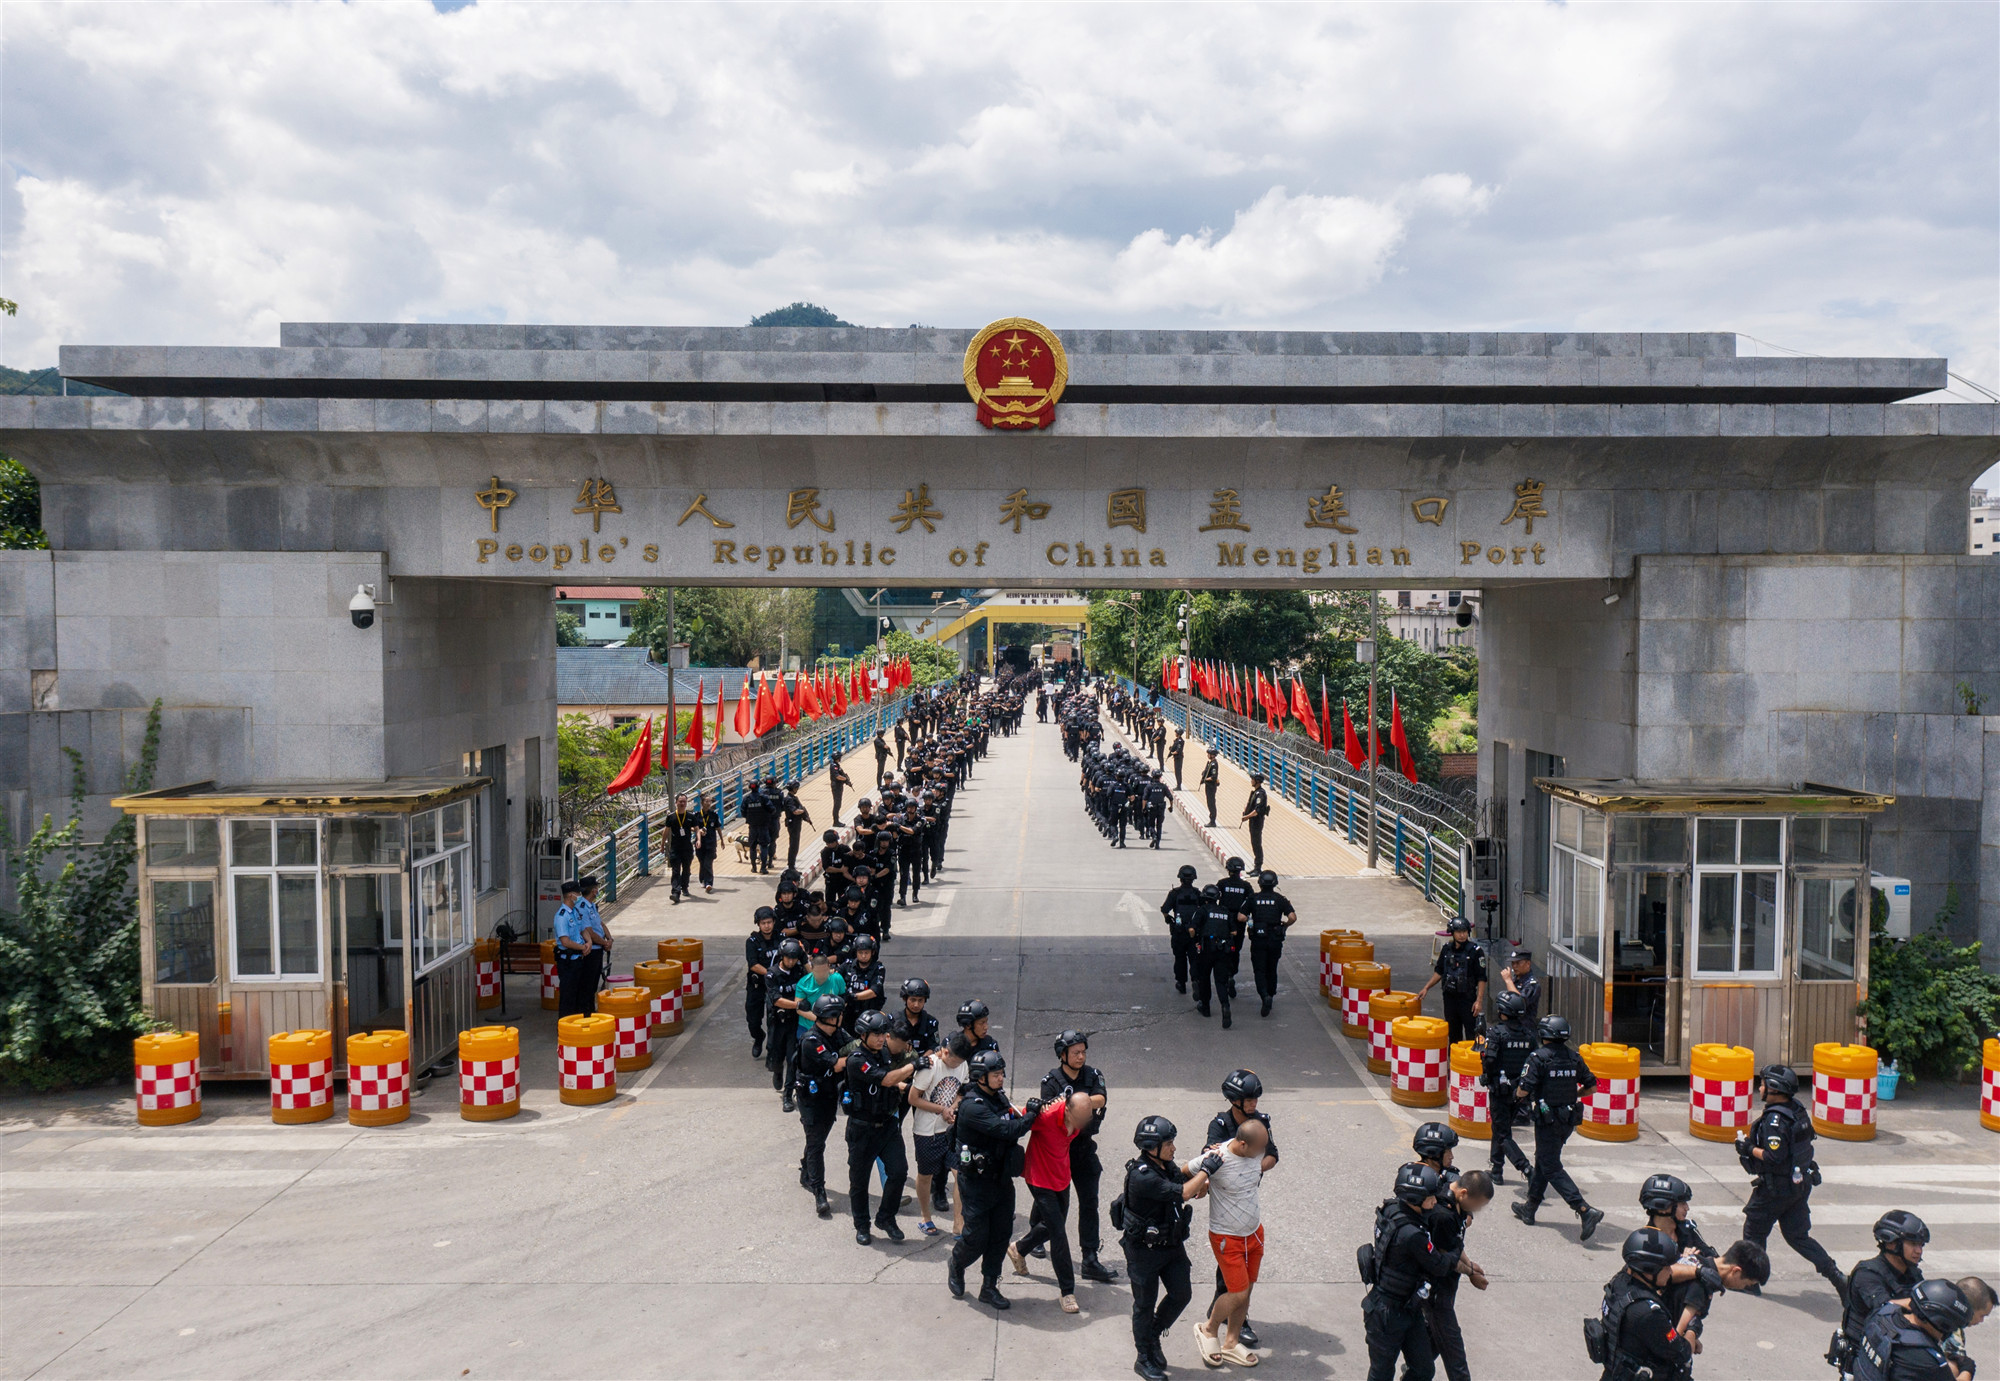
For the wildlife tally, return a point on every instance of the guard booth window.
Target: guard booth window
(274, 899)
(1739, 884)
(1535, 872)
(441, 920)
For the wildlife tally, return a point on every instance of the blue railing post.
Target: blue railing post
(611, 867)
(645, 848)
(736, 804)
(1399, 843)
(1430, 867)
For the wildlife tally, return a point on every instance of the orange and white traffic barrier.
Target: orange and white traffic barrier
(1360, 980)
(1327, 969)
(1989, 1085)
(688, 951)
(551, 985)
(166, 1078)
(378, 1078)
(1383, 1008)
(1418, 1052)
(1843, 1091)
(632, 1009)
(1611, 1110)
(486, 973)
(1720, 1080)
(587, 1058)
(489, 1073)
(662, 978)
(1470, 1109)
(301, 1077)
(1348, 949)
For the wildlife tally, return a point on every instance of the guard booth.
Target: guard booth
(344, 907)
(1681, 915)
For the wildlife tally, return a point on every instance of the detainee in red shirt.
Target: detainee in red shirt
(1047, 1175)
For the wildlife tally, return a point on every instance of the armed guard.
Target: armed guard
(781, 1018)
(1778, 1151)
(1269, 915)
(875, 1091)
(1181, 910)
(1503, 1054)
(1633, 1335)
(1461, 968)
(1552, 1087)
(1211, 779)
(1153, 1219)
(989, 1157)
(819, 1093)
(1402, 1267)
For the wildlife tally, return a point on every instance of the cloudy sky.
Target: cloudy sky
(1823, 177)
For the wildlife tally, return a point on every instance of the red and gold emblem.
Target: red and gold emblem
(1015, 370)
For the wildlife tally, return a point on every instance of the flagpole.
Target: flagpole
(673, 714)
(1374, 746)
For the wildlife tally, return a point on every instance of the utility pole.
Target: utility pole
(673, 712)
(1374, 745)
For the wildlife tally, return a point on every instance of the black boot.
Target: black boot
(1225, 1014)
(887, 1227)
(1201, 1007)
(1157, 1353)
(820, 1204)
(1526, 1213)
(1093, 1269)
(1149, 1369)
(757, 1048)
(1247, 1335)
(955, 1281)
(1591, 1218)
(991, 1297)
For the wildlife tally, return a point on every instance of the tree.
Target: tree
(69, 957)
(799, 314)
(1929, 1001)
(569, 631)
(726, 626)
(20, 509)
(930, 663)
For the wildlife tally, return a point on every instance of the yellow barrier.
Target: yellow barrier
(632, 1009)
(1360, 979)
(586, 1058)
(662, 978)
(1989, 1085)
(1344, 951)
(1611, 1110)
(688, 951)
(378, 1078)
(1327, 939)
(166, 1078)
(1418, 1052)
(301, 1077)
(1383, 1008)
(1720, 1080)
(551, 991)
(1471, 1112)
(489, 1073)
(1843, 1092)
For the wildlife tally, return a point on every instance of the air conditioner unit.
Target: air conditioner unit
(1896, 892)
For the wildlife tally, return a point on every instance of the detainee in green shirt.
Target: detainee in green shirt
(815, 985)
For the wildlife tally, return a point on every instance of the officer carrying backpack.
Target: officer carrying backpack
(1601, 1334)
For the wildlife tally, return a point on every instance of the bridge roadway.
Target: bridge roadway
(665, 1234)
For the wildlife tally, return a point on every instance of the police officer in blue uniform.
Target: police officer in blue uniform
(1778, 1151)
(1503, 1055)
(579, 959)
(1552, 1088)
(875, 1092)
(1907, 1341)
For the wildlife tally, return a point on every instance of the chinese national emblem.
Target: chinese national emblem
(1015, 370)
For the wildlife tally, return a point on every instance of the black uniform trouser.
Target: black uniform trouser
(1118, 818)
(1177, 774)
(781, 1050)
(881, 770)
(753, 1007)
(1048, 1221)
(1793, 1218)
(1085, 1174)
(1505, 1150)
(838, 792)
(707, 869)
(1214, 969)
(576, 982)
(1256, 824)
(1155, 825)
(1441, 1315)
(909, 876)
(678, 869)
(1459, 1017)
(818, 1124)
(1150, 1268)
(1264, 966)
(1548, 1172)
(1183, 945)
(792, 842)
(1396, 1331)
(989, 1226)
(868, 1142)
(1209, 792)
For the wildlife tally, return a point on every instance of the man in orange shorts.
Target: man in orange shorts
(1236, 1234)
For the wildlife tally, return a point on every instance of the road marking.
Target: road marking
(1140, 913)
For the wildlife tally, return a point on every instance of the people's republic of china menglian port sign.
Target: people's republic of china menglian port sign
(1015, 370)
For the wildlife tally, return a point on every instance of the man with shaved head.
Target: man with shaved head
(1048, 1177)
(1236, 1234)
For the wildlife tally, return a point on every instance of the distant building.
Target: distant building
(1985, 525)
(603, 612)
(623, 685)
(1429, 618)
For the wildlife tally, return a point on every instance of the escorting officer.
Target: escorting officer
(874, 1095)
(1402, 1267)
(1519, 976)
(579, 961)
(1071, 1076)
(760, 951)
(1459, 1199)
(1218, 936)
(837, 778)
(1181, 910)
(1889, 1274)
(973, 1019)
(1552, 1087)
(1211, 778)
(781, 1020)
(1503, 1054)
(682, 825)
(1269, 915)
(1256, 810)
(989, 1157)
(1699, 1276)
(818, 1095)
(1634, 1333)
(923, 1026)
(1778, 1150)
(1153, 1219)
(1907, 1341)
(867, 985)
(1461, 967)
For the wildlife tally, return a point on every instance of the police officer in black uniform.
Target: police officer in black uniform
(1889, 1274)
(1156, 808)
(1459, 1198)
(1180, 910)
(760, 951)
(1503, 1054)
(682, 824)
(923, 1026)
(1218, 936)
(867, 984)
(1256, 810)
(1072, 1075)
(1233, 887)
(1461, 967)
(1552, 1086)
(818, 1093)
(1268, 915)
(1635, 1334)
(1908, 1342)
(874, 1098)
(781, 1024)
(1404, 1267)
(1778, 1150)
(1211, 778)
(973, 1019)
(1153, 1220)
(989, 1157)
(1519, 977)
(838, 780)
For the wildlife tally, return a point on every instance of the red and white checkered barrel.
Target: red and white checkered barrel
(489, 1073)
(1989, 1085)
(1611, 1110)
(1418, 1052)
(166, 1078)
(687, 951)
(632, 1009)
(378, 1078)
(486, 973)
(662, 978)
(1360, 980)
(1340, 951)
(301, 1076)
(1843, 1092)
(1468, 1111)
(587, 1058)
(1383, 1008)
(1719, 1091)
(551, 985)
(1329, 968)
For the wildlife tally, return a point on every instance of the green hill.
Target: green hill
(47, 383)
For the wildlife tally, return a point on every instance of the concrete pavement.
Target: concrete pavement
(665, 1234)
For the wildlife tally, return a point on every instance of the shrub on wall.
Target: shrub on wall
(1930, 1004)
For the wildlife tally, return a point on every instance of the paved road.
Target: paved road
(665, 1234)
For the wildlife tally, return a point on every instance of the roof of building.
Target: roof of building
(600, 592)
(1622, 795)
(629, 676)
(400, 795)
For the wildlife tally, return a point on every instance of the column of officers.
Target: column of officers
(1208, 927)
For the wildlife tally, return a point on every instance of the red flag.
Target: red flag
(744, 719)
(808, 698)
(1325, 719)
(1357, 756)
(1302, 710)
(1238, 702)
(1401, 739)
(864, 684)
(717, 735)
(839, 694)
(695, 725)
(637, 765)
(769, 716)
(788, 707)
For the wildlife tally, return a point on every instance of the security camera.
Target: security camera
(1464, 615)
(1611, 599)
(361, 609)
